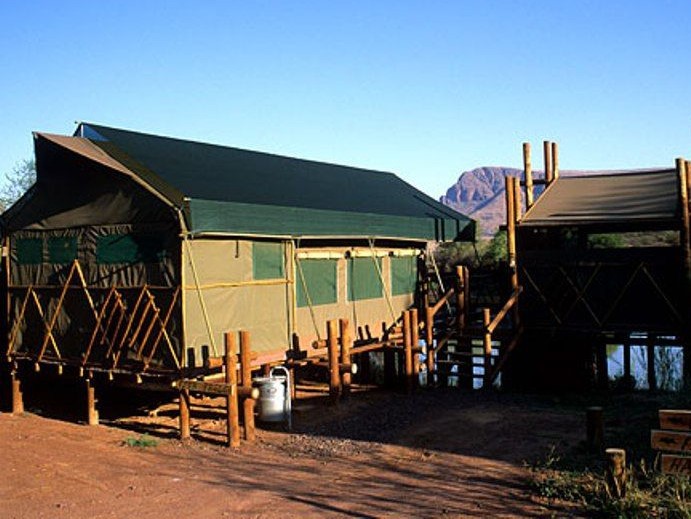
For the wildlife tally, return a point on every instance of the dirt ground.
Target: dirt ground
(435, 454)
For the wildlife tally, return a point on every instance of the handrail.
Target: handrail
(505, 309)
(443, 300)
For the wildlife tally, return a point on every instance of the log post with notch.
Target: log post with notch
(231, 378)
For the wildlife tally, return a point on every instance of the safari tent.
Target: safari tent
(135, 253)
(603, 260)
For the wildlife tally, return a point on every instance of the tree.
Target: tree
(17, 182)
(496, 250)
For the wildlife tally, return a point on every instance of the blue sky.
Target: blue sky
(426, 89)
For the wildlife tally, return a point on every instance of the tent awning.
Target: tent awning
(624, 198)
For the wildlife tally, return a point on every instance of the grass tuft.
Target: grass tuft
(142, 442)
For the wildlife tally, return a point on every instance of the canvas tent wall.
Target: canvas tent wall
(218, 232)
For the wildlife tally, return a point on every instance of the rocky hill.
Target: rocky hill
(479, 193)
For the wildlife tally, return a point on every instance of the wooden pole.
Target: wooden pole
(248, 404)
(528, 176)
(555, 161)
(346, 344)
(650, 349)
(408, 345)
(511, 228)
(460, 301)
(429, 342)
(627, 364)
(17, 395)
(514, 270)
(334, 371)
(594, 426)
(684, 206)
(683, 174)
(487, 346)
(549, 174)
(184, 406)
(415, 331)
(466, 288)
(602, 368)
(91, 412)
(616, 472)
(233, 412)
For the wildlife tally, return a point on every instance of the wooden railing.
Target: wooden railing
(489, 327)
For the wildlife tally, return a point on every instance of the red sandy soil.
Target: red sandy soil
(436, 454)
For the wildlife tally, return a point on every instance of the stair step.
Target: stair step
(458, 354)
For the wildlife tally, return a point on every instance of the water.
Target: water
(668, 364)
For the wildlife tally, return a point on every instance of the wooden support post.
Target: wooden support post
(17, 395)
(511, 229)
(514, 269)
(684, 174)
(346, 344)
(555, 161)
(627, 365)
(334, 371)
(184, 406)
(233, 412)
(594, 426)
(616, 472)
(684, 206)
(466, 288)
(461, 301)
(549, 174)
(487, 347)
(415, 338)
(248, 404)
(408, 345)
(91, 412)
(528, 176)
(429, 342)
(650, 350)
(602, 368)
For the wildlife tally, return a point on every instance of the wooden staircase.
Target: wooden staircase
(471, 334)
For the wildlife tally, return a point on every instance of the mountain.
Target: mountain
(479, 193)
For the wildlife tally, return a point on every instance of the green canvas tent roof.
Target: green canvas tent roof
(625, 198)
(235, 191)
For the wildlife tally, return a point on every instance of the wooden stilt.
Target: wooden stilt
(684, 173)
(627, 365)
(547, 148)
(528, 176)
(429, 342)
(487, 347)
(555, 161)
(91, 412)
(461, 301)
(334, 371)
(511, 229)
(415, 339)
(514, 269)
(650, 347)
(408, 357)
(346, 344)
(233, 414)
(17, 395)
(602, 368)
(184, 406)
(248, 404)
